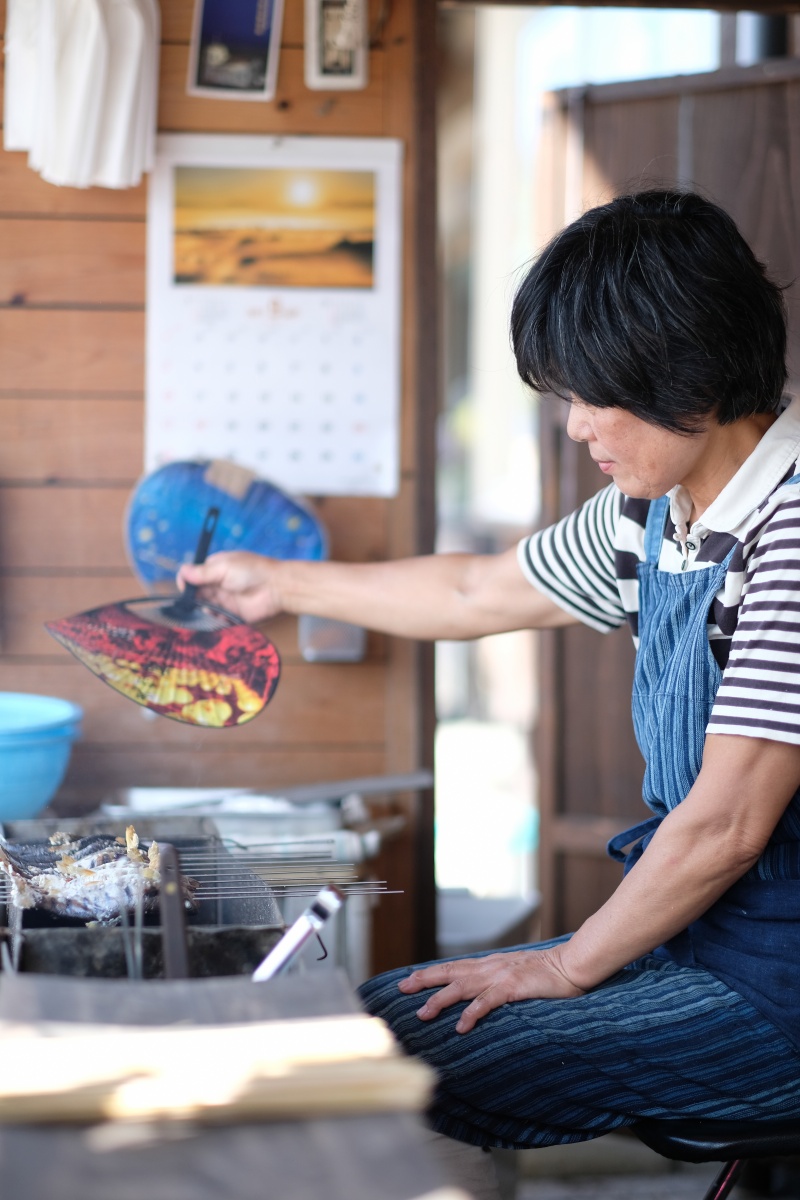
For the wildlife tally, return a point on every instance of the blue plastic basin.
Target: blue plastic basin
(36, 737)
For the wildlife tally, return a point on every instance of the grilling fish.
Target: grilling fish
(94, 878)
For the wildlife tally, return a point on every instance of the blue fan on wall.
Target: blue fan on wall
(168, 506)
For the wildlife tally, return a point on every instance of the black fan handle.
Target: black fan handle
(186, 601)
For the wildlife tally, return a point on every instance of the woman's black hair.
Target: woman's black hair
(654, 303)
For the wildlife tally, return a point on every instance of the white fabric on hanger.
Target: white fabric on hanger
(81, 88)
(21, 86)
(72, 113)
(42, 125)
(147, 116)
(116, 151)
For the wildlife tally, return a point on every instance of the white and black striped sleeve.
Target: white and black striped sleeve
(760, 691)
(572, 562)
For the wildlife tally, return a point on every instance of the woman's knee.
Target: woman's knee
(382, 998)
(381, 991)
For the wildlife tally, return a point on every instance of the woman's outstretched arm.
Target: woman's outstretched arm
(451, 596)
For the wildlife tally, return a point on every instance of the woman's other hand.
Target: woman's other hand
(490, 982)
(242, 582)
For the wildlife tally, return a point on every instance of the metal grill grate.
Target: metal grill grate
(225, 874)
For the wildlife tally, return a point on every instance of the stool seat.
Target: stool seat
(719, 1141)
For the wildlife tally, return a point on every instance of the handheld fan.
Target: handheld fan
(179, 656)
(167, 506)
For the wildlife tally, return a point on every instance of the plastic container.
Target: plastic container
(36, 738)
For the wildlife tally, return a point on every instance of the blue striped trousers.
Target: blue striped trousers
(656, 1040)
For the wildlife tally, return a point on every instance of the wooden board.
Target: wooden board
(157, 1002)
(23, 192)
(295, 108)
(53, 261)
(315, 704)
(78, 350)
(78, 526)
(358, 1158)
(97, 771)
(292, 1068)
(44, 439)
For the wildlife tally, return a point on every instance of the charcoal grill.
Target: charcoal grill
(237, 921)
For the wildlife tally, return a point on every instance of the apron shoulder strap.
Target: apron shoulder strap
(654, 528)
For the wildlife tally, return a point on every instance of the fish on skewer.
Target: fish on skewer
(95, 878)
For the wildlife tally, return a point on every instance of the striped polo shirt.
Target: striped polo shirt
(587, 564)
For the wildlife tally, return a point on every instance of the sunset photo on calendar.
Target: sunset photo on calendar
(274, 227)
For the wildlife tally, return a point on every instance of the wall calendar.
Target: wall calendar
(273, 309)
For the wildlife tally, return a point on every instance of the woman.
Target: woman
(652, 318)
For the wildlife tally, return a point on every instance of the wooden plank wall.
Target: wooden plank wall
(734, 134)
(72, 288)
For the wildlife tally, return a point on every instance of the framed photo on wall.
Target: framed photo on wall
(273, 308)
(336, 44)
(235, 49)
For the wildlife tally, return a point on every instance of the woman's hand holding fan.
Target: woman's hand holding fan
(239, 581)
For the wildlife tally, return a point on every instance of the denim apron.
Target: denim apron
(750, 938)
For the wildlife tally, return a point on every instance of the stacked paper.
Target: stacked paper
(81, 86)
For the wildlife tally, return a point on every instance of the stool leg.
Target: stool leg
(726, 1178)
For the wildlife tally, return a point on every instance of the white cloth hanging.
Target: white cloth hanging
(73, 58)
(21, 73)
(113, 159)
(147, 120)
(81, 88)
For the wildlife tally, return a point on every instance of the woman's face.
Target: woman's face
(644, 460)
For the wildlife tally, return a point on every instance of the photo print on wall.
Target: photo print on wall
(235, 49)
